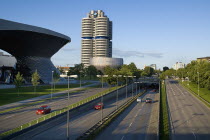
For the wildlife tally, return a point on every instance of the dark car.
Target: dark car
(43, 110)
(99, 106)
(148, 100)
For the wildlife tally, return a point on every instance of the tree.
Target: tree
(91, 71)
(18, 81)
(165, 68)
(35, 80)
(149, 71)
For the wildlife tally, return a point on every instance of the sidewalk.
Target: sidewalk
(31, 100)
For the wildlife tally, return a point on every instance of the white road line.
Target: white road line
(9, 116)
(130, 124)
(122, 138)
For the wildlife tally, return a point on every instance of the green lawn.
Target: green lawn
(164, 121)
(11, 95)
(204, 92)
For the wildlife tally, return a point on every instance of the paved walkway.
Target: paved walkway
(31, 100)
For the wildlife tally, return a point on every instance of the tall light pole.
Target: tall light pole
(198, 85)
(127, 85)
(67, 127)
(102, 84)
(80, 83)
(102, 96)
(136, 87)
(117, 90)
(52, 85)
(132, 85)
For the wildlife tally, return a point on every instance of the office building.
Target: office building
(178, 65)
(96, 36)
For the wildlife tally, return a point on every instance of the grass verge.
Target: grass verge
(164, 120)
(40, 101)
(11, 95)
(193, 88)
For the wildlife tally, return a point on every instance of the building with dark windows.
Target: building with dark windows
(32, 47)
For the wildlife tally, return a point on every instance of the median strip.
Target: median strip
(164, 118)
(96, 129)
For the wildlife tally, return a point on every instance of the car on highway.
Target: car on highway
(148, 100)
(43, 110)
(99, 106)
(138, 99)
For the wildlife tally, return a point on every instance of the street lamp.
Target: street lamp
(67, 133)
(102, 96)
(198, 85)
(127, 85)
(132, 85)
(136, 86)
(80, 83)
(117, 90)
(52, 85)
(102, 84)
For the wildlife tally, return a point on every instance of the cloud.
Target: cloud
(122, 53)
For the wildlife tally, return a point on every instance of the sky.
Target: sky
(145, 32)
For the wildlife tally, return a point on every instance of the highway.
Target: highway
(190, 118)
(18, 117)
(78, 124)
(138, 122)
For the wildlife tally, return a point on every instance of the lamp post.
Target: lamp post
(67, 127)
(102, 96)
(52, 85)
(132, 85)
(136, 87)
(102, 84)
(198, 85)
(80, 83)
(127, 86)
(117, 90)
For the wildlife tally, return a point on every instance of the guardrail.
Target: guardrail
(97, 128)
(55, 113)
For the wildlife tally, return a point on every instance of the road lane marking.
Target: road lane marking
(122, 138)
(9, 116)
(130, 124)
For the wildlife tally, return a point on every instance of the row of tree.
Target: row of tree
(35, 80)
(124, 70)
(196, 72)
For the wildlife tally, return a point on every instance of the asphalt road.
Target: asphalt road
(18, 117)
(78, 124)
(138, 122)
(190, 118)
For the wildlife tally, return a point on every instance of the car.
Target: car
(138, 99)
(148, 100)
(99, 106)
(43, 110)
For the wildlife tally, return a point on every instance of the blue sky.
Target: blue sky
(145, 32)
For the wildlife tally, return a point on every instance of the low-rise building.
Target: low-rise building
(178, 65)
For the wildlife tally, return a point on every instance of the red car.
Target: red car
(99, 106)
(43, 110)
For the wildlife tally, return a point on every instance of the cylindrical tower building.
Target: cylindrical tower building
(96, 36)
